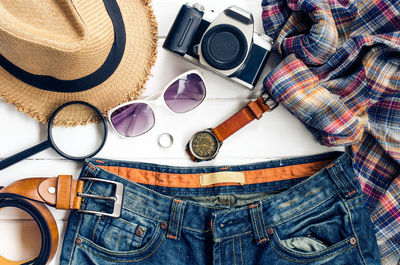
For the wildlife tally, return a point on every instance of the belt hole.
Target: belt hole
(51, 190)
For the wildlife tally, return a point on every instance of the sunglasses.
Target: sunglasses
(181, 95)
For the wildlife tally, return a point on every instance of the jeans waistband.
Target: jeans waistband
(162, 193)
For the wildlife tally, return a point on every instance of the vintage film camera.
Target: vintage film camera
(225, 44)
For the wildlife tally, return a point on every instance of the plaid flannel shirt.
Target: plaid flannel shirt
(340, 75)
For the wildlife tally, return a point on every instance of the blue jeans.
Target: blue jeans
(302, 210)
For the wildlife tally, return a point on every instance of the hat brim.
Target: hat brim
(125, 84)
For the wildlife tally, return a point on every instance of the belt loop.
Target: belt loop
(342, 180)
(257, 220)
(91, 170)
(176, 219)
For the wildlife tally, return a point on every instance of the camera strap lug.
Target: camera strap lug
(196, 49)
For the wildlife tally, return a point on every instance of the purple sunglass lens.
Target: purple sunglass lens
(186, 93)
(133, 120)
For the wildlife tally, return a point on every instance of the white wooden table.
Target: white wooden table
(276, 135)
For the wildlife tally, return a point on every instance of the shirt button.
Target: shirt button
(164, 225)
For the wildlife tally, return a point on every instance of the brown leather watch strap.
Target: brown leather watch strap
(253, 110)
(60, 191)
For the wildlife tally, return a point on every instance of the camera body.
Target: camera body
(224, 43)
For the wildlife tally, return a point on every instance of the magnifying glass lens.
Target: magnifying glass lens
(80, 141)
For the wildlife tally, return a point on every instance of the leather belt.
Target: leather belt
(62, 192)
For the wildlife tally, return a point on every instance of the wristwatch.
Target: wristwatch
(204, 145)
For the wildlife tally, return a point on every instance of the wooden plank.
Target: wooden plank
(14, 214)
(278, 133)
(19, 240)
(22, 132)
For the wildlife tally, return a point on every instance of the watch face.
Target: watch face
(204, 145)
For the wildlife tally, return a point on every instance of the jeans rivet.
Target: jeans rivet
(353, 241)
(164, 225)
(139, 232)
(78, 241)
(104, 218)
(270, 231)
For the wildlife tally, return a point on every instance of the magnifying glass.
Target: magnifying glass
(75, 143)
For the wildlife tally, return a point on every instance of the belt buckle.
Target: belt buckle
(268, 100)
(117, 199)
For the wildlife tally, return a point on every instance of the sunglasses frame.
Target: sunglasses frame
(150, 102)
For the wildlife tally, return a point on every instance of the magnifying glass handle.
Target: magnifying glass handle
(24, 154)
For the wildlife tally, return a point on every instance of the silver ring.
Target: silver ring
(165, 140)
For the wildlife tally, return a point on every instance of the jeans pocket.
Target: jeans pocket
(320, 233)
(305, 249)
(127, 239)
(303, 244)
(123, 235)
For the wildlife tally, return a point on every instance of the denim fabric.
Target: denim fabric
(320, 219)
(339, 75)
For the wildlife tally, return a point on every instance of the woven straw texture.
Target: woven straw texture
(70, 39)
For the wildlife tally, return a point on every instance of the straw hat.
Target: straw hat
(56, 51)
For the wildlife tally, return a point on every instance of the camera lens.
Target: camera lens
(224, 47)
